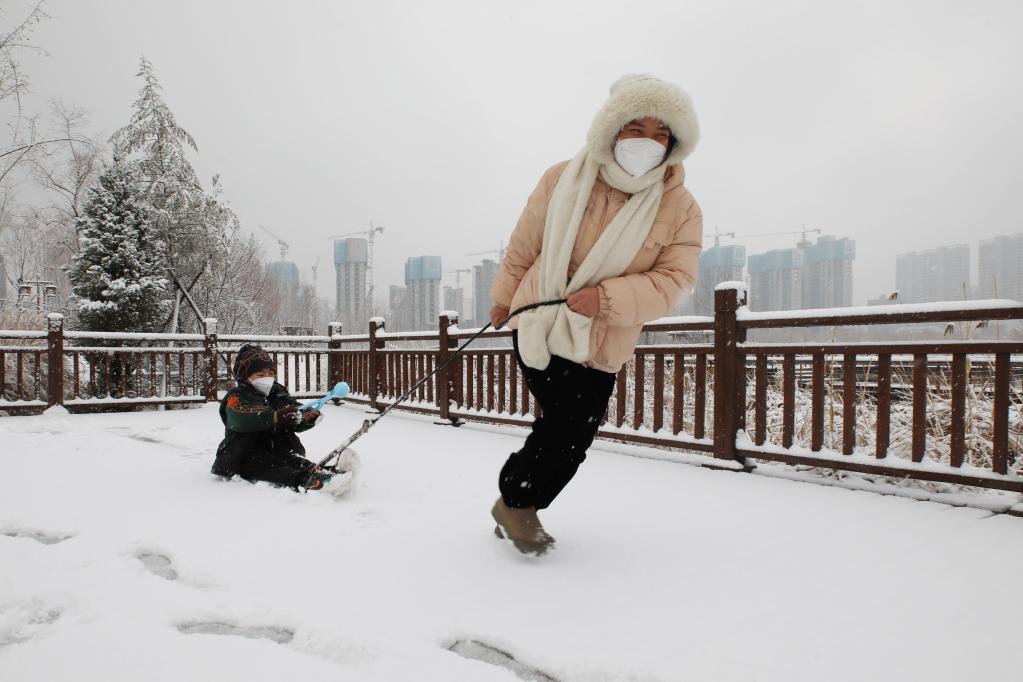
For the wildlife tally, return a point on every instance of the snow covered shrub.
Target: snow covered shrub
(117, 276)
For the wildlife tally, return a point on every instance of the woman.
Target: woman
(615, 232)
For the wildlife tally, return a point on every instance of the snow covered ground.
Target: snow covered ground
(122, 558)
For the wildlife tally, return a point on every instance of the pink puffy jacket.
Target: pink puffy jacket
(652, 286)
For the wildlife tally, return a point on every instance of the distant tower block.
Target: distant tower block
(828, 278)
(941, 274)
(776, 280)
(350, 258)
(397, 316)
(483, 276)
(422, 281)
(717, 264)
(453, 297)
(286, 274)
(1001, 267)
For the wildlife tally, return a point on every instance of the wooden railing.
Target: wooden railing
(932, 392)
(947, 411)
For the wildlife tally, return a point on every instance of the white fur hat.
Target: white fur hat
(638, 96)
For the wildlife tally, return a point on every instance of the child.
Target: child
(261, 421)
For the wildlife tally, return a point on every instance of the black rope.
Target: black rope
(368, 424)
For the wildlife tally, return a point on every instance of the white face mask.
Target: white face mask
(639, 155)
(263, 384)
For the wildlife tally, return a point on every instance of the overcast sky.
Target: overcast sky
(895, 123)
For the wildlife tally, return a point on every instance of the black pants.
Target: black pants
(572, 399)
(289, 471)
(263, 456)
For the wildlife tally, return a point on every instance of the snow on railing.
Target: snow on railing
(683, 319)
(159, 400)
(133, 349)
(132, 336)
(272, 338)
(21, 334)
(6, 404)
(426, 335)
(744, 314)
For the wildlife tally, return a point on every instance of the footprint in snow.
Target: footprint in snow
(20, 622)
(157, 564)
(273, 633)
(146, 439)
(150, 440)
(480, 651)
(46, 538)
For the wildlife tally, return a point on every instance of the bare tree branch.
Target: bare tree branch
(41, 142)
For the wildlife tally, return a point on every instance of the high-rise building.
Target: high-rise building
(397, 304)
(422, 279)
(1000, 268)
(776, 280)
(453, 298)
(941, 274)
(723, 263)
(483, 276)
(285, 272)
(350, 259)
(827, 273)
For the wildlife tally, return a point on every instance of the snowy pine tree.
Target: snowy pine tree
(200, 231)
(203, 237)
(154, 146)
(117, 276)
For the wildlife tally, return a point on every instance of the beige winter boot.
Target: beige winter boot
(521, 527)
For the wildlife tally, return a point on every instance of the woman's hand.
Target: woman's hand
(585, 302)
(498, 314)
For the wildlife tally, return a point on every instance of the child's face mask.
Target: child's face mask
(262, 384)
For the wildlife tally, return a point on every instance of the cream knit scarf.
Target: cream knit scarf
(556, 330)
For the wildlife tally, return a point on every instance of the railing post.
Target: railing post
(333, 366)
(375, 364)
(55, 360)
(445, 383)
(727, 300)
(212, 370)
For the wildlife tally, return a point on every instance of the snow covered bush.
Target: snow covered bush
(116, 278)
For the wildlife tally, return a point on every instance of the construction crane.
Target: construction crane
(369, 234)
(315, 269)
(500, 251)
(284, 246)
(718, 235)
(803, 242)
(458, 275)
